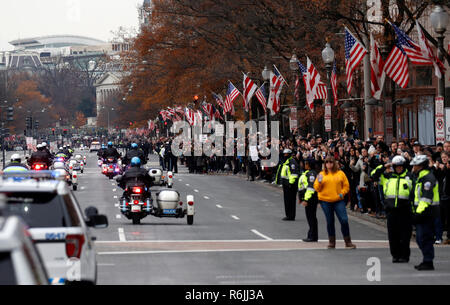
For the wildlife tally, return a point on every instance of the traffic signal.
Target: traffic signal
(53, 131)
(195, 99)
(10, 114)
(65, 132)
(29, 122)
(36, 124)
(5, 132)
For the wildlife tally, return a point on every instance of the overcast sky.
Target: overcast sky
(92, 18)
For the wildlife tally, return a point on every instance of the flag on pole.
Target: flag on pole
(261, 96)
(321, 93)
(219, 99)
(377, 75)
(396, 65)
(232, 94)
(354, 53)
(189, 113)
(312, 83)
(334, 83)
(276, 86)
(277, 73)
(249, 90)
(297, 87)
(428, 52)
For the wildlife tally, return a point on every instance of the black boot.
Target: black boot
(425, 266)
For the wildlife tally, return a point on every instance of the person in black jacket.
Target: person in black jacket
(135, 151)
(111, 152)
(40, 156)
(135, 175)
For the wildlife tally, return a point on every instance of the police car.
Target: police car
(20, 262)
(56, 223)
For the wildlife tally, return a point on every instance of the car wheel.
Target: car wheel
(75, 187)
(190, 219)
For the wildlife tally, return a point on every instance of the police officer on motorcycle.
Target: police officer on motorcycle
(425, 205)
(40, 156)
(111, 152)
(15, 164)
(397, 189)
(135, 174)
(135, 151)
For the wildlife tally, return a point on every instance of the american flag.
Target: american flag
(165, 115)
(232, 94)
(354, 53)
(190, 116)
(312, 83)
(377, 75)
(276, 85)
(219, 99)
(428, 52)
(198, 117)
(396, 66)
(334, 83)
(179, 110)
(209, 109)
(249, 90)
(261, 96)
(408, 46)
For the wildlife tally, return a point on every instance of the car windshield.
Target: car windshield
(39, 209)
(7, 274)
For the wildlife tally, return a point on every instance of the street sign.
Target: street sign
(219, 130)
(439, 118)
(327, 117)
(447, 124)
(293, 118)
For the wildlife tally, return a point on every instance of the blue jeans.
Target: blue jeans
(329, 208)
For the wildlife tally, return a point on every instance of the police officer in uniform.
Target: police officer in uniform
(15, 164)
(289, 179)
(426, 201)
(135, 151)
(308, 198)
(397, 188)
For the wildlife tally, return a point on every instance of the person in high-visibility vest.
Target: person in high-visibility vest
(289, 179)
(308, 198)
(397, 188)
(425, 204)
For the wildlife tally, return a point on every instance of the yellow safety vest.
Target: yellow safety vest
(420, 202)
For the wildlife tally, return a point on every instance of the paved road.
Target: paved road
(238, 237)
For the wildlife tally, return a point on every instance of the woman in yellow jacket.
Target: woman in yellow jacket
(331, 186)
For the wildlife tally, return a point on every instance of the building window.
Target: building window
(424, 76)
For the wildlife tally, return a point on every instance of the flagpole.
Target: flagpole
(367, 91)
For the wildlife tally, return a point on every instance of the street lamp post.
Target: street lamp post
(266, 77)
(293, 65)
(439, 21)
(328, 59)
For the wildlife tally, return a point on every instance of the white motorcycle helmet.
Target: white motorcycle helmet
(78, 158)
(287, 151)
(398, 161)
(16, 158)
(420, 160)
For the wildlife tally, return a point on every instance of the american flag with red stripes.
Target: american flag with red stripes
(249, 90)
(377, 75)
(334, 83)
(396, 65)
(428, 52)
(297, 88)
(354, 53)
(312, 84)
(321, 93)
(261, 96)
(276, 85)
(190, 116)
(232, 94)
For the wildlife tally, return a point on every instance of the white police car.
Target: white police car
(56, 223)
(20, 262)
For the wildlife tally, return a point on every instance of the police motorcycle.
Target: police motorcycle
(71, 177)
(157, 175)
(79, 165)
(169, 179)
(111, 168)
(137, 203)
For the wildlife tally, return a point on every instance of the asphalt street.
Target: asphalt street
(237, 237)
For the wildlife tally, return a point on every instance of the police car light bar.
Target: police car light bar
(51, 175)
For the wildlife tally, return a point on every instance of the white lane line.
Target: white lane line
(115, 197)
(121, 235)
(206, 197)
(116, 205)
(180, 180)
(196, 191)
(219, 206)
(114, 190)
(261, 235)
(228, 240)
(118, 216)
(82, 188)
(104, 265)
(234, 217)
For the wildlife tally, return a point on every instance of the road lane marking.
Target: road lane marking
(234, 217)
(114, 190)
(187, 184)
(206, 197)
(118, 216)
(82, 188)
(219, 206)
(121, 235)
(261, 235)
(115, 197)
(196, 191)
(104, 265)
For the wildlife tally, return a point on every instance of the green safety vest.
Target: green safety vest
(286, 172)
(397, 187)
(307, 186)
(419, 200)
(382, 178)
